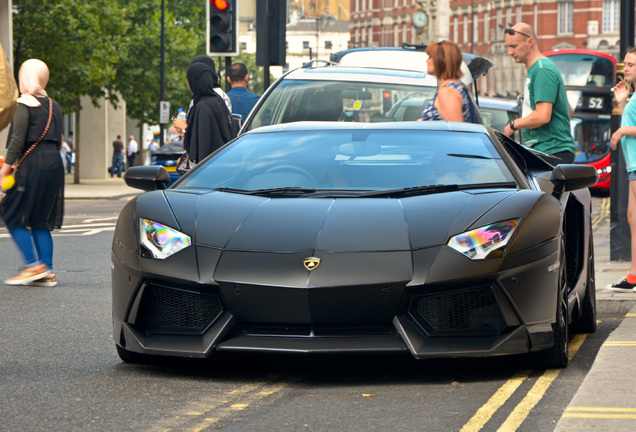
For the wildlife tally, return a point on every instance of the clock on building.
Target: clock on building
(419, 18)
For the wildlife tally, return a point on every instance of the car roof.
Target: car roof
(499, 103)
(407, 57)
(344, 126)
(361, 74)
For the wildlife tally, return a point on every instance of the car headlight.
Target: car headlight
(161, 241)
(480, 243)
(607, 169)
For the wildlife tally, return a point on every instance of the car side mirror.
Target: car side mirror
(569, 177)
(147, 178)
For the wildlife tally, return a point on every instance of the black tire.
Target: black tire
(587, 322)
(557, 356)
(133, 357)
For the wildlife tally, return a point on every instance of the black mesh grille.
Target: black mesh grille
(465, 311)
(174, 310)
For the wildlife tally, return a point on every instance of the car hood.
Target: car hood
(286, 225)
(246, 239)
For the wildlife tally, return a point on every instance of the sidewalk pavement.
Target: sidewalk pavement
(605, 400)
(107, 188)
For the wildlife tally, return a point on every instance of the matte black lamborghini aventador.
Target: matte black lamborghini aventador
(438, 239)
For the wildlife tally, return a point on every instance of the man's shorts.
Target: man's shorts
(631, 175)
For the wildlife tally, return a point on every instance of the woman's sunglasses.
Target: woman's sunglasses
(512, 32)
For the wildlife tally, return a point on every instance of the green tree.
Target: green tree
(78, 41)
(112, 49)
(139, 70)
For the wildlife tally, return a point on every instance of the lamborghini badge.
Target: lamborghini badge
(311, 263)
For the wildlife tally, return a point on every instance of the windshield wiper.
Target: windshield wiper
(468, 156)
(431, 189)
(280, 191)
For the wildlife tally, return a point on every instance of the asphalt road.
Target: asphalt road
(59, 369)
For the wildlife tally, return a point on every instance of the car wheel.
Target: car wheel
(587, 322)
(133, 357)
(557, 356)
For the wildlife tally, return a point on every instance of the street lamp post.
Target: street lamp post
(162, 84)
(317, 34)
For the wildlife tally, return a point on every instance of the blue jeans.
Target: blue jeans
(69, 162)
(41, 238)
(118, 164)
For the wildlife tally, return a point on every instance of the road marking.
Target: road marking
(521, 411)
(500, 397)
(536, 393)
(619, 343)
(630, 315)
(203, 414)
(603, 213)
(600, 412)
(85, 228)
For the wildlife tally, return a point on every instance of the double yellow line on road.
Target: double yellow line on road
(201, 415)
(600, 413)
(603, 213)
(521, 411)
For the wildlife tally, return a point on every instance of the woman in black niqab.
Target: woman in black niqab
(201, 80)
(209, 120)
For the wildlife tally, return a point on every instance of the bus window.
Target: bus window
(591, 137)
(585, 70)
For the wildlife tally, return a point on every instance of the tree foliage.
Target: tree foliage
(112, 49)
(78, 41)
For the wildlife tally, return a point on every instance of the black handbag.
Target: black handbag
(184, 164)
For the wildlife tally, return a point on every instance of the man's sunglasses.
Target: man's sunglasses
(512, 32)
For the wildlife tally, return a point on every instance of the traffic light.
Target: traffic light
(271, 27)
(387, 103)
(222, 27)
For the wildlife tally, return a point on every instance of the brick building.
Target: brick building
(478, 27)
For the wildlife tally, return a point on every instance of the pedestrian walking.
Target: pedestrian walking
(70, 142)
(118, 157)
(452, 101)
(545, 120)
(131, 151)
(209, 120)
(243, 100)
(34, 204)
(626, 135)
(153, 145)
(180, 123)
(65, 152)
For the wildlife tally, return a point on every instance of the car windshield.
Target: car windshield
(352, 160)
(311, 100)
(591, 137)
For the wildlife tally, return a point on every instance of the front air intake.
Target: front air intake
(472, 311)
(171, 310)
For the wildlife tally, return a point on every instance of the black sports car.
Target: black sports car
(434, 238)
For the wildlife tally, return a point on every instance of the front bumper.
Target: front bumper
(507, 313)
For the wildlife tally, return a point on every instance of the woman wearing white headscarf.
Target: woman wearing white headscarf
(34, 205)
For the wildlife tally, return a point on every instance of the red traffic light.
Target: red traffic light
(386, 94)
(219, 4)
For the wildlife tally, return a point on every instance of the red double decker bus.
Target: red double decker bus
(589, 77)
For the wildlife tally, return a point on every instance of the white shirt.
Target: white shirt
(132, 147)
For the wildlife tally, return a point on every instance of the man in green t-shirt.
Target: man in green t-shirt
(546, 111)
